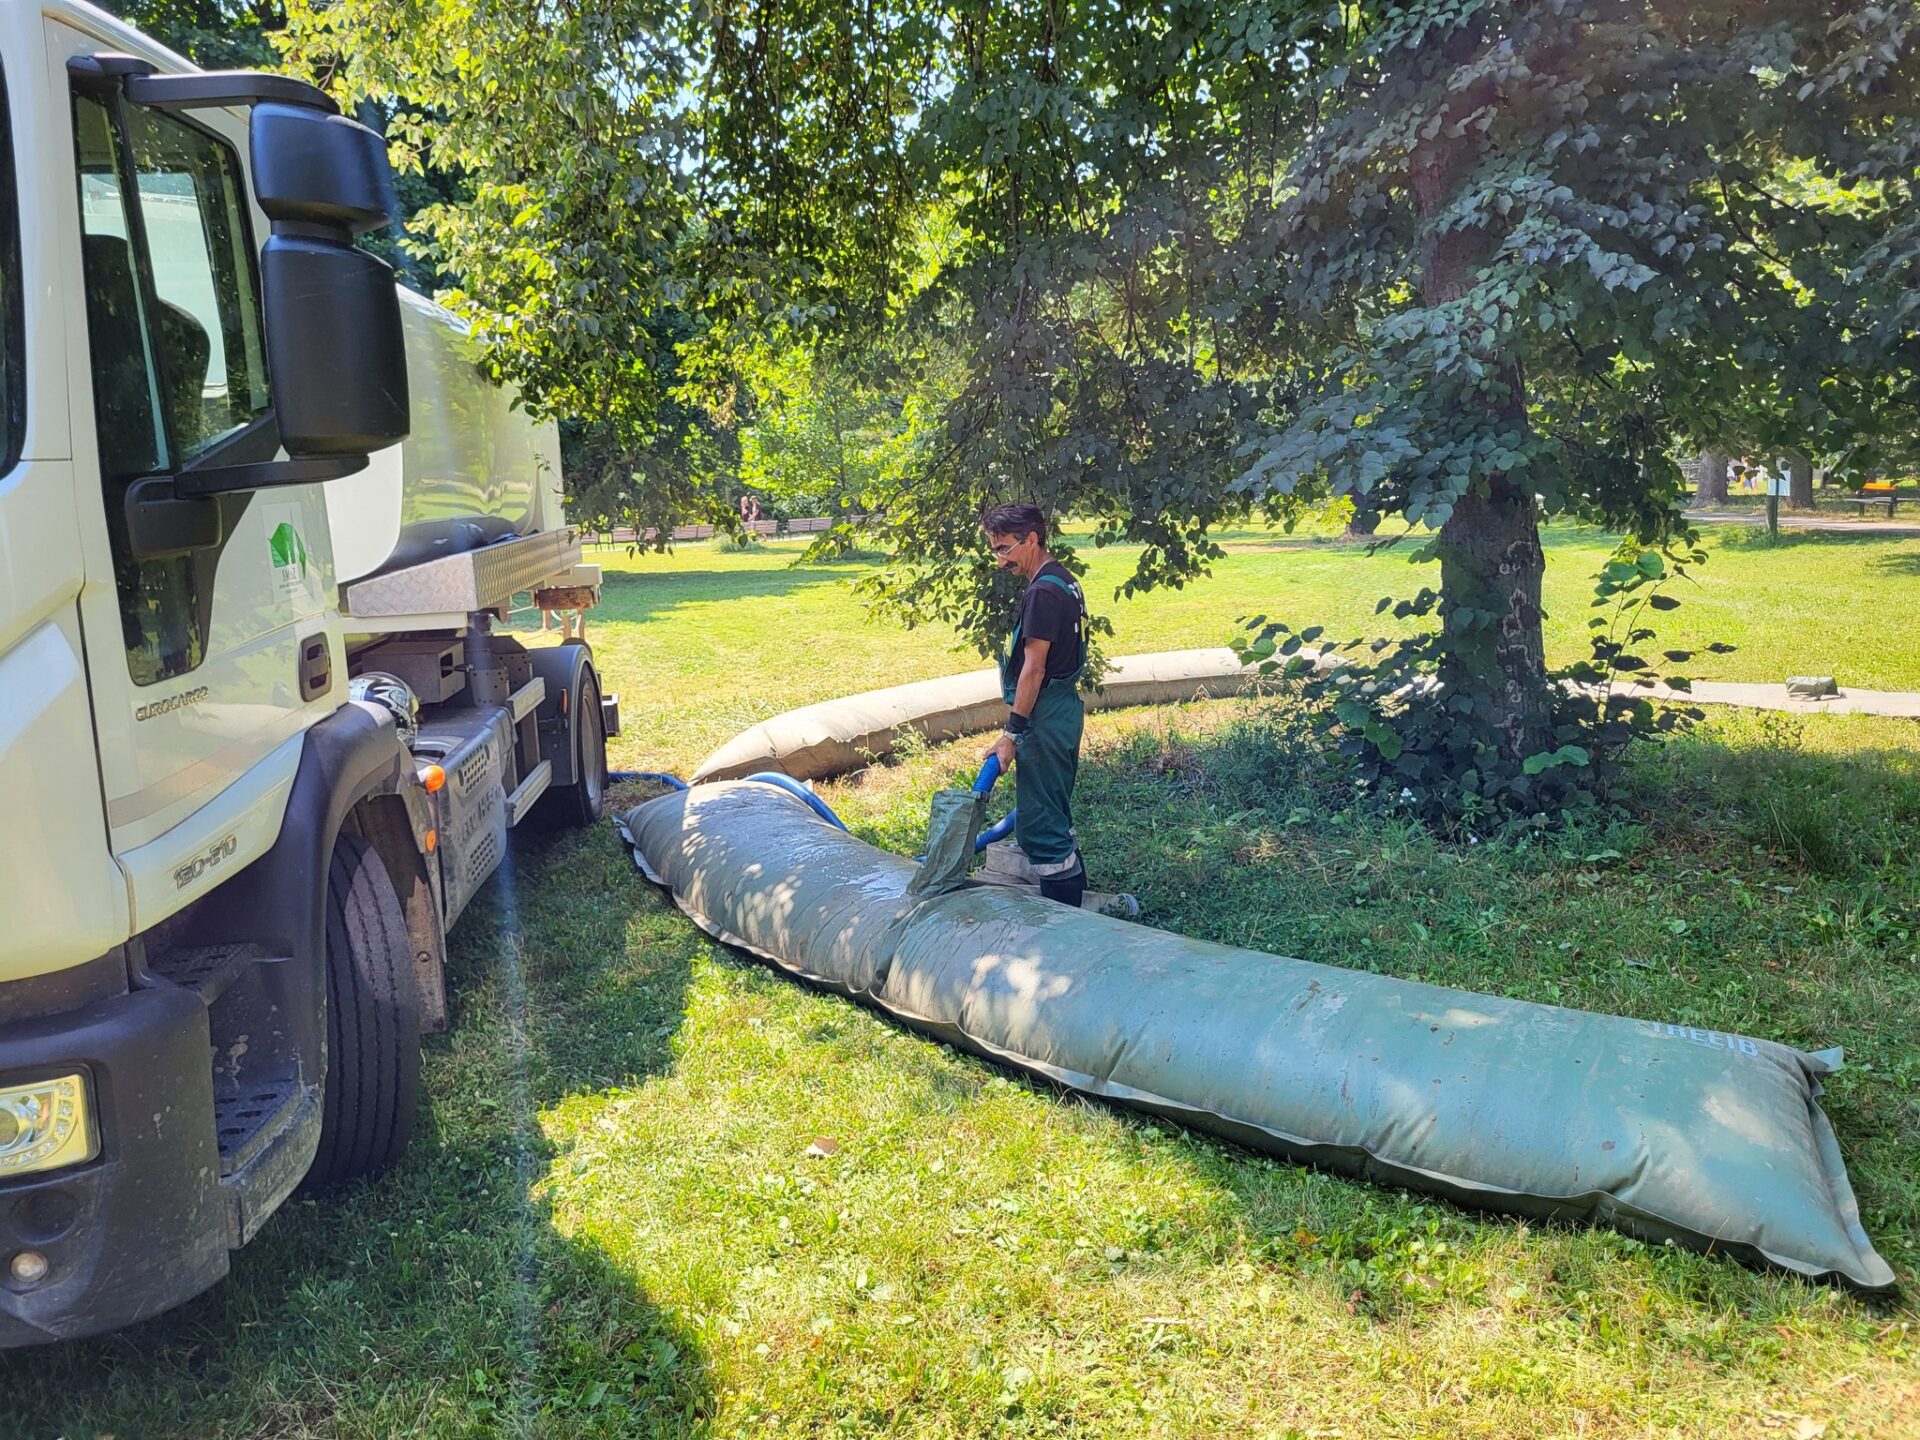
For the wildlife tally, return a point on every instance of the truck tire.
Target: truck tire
(372, 1081)
(585, 801)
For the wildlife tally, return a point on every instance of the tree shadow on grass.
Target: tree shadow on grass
(439, 1298)
(1898, 564)
(1845, 816)
(1757, 537)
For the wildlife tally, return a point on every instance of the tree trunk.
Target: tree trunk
(1710, 479)
(1799, 480)
(1491, 654)
(1491, 566)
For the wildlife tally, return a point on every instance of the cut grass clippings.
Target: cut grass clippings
(660, 1191)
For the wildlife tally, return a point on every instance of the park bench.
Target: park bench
(808, 525)
(1875, 492)
(762, 527)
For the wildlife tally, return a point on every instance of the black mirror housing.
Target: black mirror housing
(311, 167)
(335, 350)
(334, 346)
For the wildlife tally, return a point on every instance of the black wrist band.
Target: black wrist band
(1017, 724)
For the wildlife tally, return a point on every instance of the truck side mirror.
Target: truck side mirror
(331, 315)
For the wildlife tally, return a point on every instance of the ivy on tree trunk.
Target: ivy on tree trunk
(1491, 568)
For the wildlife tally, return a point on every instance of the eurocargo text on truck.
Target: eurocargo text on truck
(260, 742)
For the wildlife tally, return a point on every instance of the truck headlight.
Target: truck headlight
(45, 1125)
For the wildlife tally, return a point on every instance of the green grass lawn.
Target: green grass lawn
(612, 1222)
(709, 640)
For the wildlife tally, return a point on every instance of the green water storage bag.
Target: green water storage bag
(1667, 1132)
(836, 736)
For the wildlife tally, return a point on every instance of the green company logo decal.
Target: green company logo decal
(288, 557)
(289, 552)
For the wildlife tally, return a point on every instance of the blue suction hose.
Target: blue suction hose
(989, 773)
(1000, 829)
(672, 782)
(794, 788)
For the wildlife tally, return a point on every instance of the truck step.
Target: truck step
(207, 970)
(245, 1119)
(528, 791)
(268, 1133)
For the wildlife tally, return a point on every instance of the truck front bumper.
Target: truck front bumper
(141, 1226)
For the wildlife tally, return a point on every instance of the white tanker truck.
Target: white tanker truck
(259, 741)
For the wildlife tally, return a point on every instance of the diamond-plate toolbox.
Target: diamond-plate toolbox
(482, 579)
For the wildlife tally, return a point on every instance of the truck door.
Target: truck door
(211, 650)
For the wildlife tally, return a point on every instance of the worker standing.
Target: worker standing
(1039, 679)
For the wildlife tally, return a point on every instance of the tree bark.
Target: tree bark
(1799, 480)
(1710, 479)
(1491, 563)
(1491, 567)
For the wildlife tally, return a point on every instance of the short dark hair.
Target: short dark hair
(1016, 520)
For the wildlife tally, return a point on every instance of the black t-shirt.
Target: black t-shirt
(1057, 616)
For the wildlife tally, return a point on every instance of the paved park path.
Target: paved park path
(1831, 524)
(1775, 697)
(1901, 703)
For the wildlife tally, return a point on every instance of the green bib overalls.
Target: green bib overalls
(1048, 755)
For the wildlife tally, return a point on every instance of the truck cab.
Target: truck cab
(261, 739)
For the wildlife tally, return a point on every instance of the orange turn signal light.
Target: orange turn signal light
(430, 840)
(432, 778)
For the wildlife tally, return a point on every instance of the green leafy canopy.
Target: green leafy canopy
(1465, 262)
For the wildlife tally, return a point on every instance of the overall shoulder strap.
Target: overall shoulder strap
(1080, 601)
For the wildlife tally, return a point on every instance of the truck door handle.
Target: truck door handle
(316, 668)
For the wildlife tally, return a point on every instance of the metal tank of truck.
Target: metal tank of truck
(471, 472)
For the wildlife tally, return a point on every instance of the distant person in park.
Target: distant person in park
(749, 509)
(1039, 679)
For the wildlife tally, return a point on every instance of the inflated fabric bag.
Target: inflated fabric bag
(836, 736)
(1667, 1132)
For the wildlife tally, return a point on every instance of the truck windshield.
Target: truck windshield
(13, 369)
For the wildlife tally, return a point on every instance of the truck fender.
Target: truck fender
(348, 756)
(562, 667)
(400, 829)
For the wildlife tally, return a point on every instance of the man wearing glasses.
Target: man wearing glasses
(1039, 678)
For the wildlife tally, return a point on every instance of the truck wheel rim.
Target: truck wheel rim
(593, 766)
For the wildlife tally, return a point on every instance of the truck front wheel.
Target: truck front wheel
(372, 1079)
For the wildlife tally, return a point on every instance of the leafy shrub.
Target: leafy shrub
(1405, 737)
